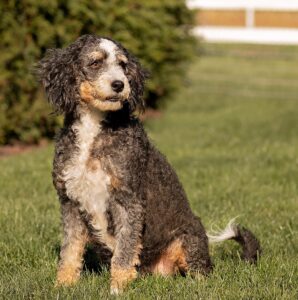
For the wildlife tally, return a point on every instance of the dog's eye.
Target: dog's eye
(96, 63)
(123, 65)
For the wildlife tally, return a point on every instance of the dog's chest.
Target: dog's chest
(85, 180)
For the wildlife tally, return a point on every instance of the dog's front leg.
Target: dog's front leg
(128, 246)
(73, 246)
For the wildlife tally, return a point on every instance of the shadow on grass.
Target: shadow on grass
(96, 258)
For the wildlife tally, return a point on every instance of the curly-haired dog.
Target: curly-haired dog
(116, 190)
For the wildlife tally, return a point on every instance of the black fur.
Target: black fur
(250, 244)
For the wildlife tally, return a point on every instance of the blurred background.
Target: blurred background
(157, 32)
(165, 35)
(249, 21)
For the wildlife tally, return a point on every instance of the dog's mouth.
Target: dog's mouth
(113, 99)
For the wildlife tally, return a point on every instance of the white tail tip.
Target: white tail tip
(219, 236)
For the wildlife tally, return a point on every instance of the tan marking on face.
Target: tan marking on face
(171, 261)
(93, 96)
(108, 106)
(97, 55)
(122, 57)
(121, 277)
(87, 92)
(90, 94)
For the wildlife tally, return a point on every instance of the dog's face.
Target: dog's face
(92, 70)
(106, 85)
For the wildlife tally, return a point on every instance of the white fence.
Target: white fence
(249, 33)
(285, 5)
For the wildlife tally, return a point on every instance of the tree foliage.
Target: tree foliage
(156, 31)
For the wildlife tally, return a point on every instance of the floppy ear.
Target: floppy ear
(57, 74)
(136, 76)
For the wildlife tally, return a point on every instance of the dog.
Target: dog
(116, 190)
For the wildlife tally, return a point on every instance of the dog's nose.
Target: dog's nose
(117, 86)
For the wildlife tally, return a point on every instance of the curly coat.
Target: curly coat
(115, 188)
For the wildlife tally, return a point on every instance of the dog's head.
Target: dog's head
(93, 70)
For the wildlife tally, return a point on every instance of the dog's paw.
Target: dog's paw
(120, 278)
(114, 291)
(66, 277)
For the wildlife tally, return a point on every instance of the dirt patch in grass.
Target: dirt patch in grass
(150, 114)
(19, 148)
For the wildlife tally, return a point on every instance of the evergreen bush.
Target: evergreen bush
(156, 31)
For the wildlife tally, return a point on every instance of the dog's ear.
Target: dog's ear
(57, 74)
(136, 76)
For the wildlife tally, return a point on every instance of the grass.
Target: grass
(232, 135)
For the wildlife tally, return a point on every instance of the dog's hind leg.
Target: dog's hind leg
(197, 257)
(187, 254)
(171, 261)
(73, 246)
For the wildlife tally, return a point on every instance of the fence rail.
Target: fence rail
(280, 5)
(251, 21)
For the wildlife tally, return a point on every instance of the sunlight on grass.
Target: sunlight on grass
(232, 135)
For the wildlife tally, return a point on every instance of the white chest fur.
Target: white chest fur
(85, 180)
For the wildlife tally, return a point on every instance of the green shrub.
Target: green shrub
(155, 31)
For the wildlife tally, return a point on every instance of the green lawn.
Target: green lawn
(232, 135)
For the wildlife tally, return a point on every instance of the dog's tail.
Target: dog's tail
(251, 248)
